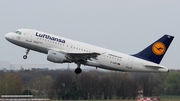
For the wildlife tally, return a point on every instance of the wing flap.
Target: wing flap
(84, 56)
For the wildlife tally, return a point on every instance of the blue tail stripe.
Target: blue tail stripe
(156, 50)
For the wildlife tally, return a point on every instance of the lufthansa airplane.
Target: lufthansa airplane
(64, 50)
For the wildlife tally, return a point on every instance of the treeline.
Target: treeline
(65, 84)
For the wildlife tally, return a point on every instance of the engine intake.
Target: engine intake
(56, 57)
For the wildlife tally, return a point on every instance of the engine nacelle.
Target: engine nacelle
(56, 57)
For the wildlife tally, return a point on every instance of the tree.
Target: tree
(128, 86)
(75, 93)
(107, 87)
(85, 84)
(48, 86)
(27, 92)
(10, 84)
(148, 81)
(39, 85)
(62, 84)
(172, 84)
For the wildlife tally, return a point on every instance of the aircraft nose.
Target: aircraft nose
(8, 36)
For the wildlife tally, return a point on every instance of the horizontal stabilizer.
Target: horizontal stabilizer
(153, 66)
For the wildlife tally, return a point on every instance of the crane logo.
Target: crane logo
(158, 48)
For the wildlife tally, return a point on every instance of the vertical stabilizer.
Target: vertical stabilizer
(156, 50)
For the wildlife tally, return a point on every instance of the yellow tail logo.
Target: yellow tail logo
(158, 48)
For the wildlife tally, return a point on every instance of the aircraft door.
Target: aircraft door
(130, 63)
(29, 36)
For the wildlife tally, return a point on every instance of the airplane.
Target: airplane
(64, 50)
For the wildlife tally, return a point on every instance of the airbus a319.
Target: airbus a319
(64, 50)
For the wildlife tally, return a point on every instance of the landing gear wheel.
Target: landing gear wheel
(25, 57)
(78, 70)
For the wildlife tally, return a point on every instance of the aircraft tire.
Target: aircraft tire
(25, 57)
(78, 70)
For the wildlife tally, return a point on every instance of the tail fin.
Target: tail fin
(156, 50)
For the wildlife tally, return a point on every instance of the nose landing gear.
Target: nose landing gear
(25, 56)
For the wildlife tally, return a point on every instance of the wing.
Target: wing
(78, 56)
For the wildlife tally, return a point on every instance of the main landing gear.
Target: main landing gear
(78, 70)
(25, 56)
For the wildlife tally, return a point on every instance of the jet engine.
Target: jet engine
(56, 57)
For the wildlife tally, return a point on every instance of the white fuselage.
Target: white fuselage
(109, 59)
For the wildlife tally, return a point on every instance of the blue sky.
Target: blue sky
(126, 26)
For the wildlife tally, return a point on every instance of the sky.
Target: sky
(127, 26)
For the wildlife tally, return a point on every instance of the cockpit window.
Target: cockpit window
(18, 32)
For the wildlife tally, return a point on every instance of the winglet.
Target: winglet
(156, 50)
